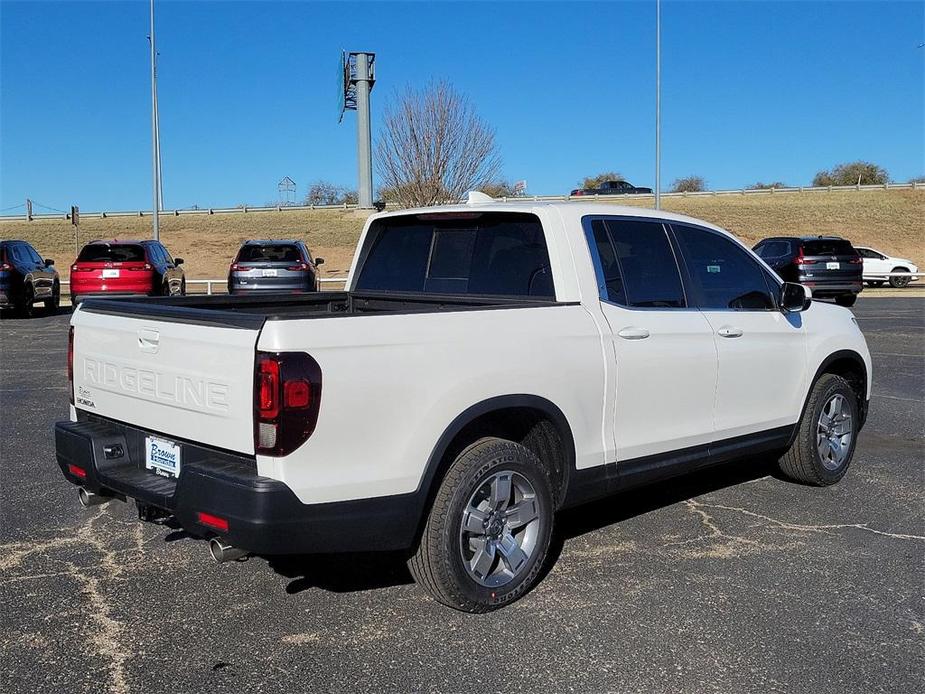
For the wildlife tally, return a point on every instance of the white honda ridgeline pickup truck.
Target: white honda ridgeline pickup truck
(489, 364)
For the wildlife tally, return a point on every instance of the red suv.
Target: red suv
(126, 267)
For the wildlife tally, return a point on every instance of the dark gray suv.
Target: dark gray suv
(273, 266)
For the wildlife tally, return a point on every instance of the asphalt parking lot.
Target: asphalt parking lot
(728, 581)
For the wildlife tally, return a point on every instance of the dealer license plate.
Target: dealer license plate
(831, 266)
(110, 274)
(162, 457)
(269, 273)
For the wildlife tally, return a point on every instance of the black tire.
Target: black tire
(875, 283)
(803, 462)
(900, 282)
(438, 563)
(846, 300)
(52, 304)
(27, 302)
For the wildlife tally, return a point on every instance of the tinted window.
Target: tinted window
(466, 253)
(723, 274)
(637, 264)
(773, 249)
(269, 253)
(828, 247)
(165, 254)
(17, 253)
(32, 254)
(111, 253)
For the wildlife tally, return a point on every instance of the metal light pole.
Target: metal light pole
(658, 104)
(364, 136)
(155, 147)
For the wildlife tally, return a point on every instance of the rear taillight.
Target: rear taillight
(856, 261)
(70, 362)
(800, 260)
(300, 266)
(287, 397)
(5, 266)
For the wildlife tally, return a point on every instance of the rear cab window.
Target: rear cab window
(478, 253)
(112, 253)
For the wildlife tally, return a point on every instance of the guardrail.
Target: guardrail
(209, 283)
(246, 209)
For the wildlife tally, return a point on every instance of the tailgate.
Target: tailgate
(181, 379)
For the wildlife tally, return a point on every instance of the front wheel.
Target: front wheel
(488, 532)
(846, 300)
(52, 304)
(824, 445)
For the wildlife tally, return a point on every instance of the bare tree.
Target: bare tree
(689, 184)
(433, 147)
(327, 193)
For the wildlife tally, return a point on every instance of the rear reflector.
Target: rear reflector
(211, 521)
(77, 471)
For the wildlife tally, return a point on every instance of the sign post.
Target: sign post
(75, 220)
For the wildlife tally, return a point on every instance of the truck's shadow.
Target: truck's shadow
(341, 573)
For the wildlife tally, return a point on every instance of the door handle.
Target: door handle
(728, 331)
(633, 333)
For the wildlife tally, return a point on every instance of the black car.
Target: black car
(828, 265)
(27, 279)
(612, 188)
(273, 266)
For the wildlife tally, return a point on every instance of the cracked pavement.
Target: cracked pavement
(732, 580)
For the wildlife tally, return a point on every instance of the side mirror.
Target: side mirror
(319, 261)
(794, 297)
(178, 261)
(49, 262)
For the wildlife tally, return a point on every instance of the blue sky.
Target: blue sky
(751, 91)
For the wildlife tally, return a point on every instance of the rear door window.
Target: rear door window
(773, 249)
(111, 253)
(723, 275)
(485, 253)
(828, 247)
(635, 264)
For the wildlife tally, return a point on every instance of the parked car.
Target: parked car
(877, 265)
(26, 279)
(273, 266)
(126, 267)
(612, 188)
(489, 364)
(828, 265)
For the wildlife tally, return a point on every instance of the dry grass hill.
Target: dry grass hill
(890, 220)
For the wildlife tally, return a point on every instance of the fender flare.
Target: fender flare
(833, 357)
(436, 465)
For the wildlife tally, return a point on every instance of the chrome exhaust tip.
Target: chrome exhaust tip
(88, 498)
(223, 553)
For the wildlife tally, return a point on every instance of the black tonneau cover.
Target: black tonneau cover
(251, 312)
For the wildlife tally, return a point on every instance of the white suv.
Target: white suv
(877, 267)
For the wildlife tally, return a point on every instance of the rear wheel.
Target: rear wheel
(824, 445)
(846, 299)
(488, 532)
(900, 282)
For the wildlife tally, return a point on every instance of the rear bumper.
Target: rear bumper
(255, 287)
(839, 288)
(264, 516)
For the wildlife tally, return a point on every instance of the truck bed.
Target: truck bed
(250, 312)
